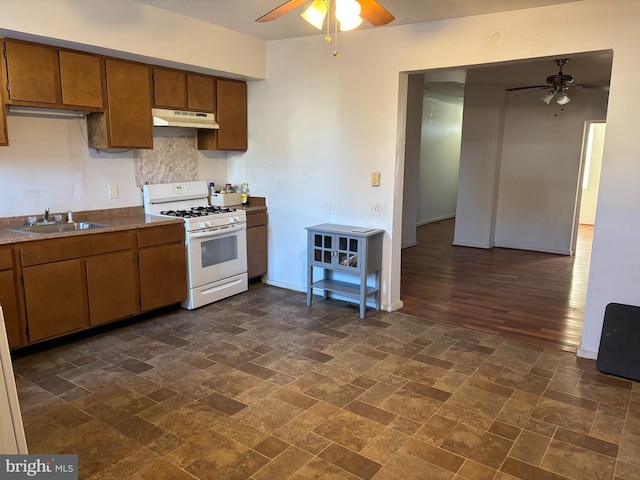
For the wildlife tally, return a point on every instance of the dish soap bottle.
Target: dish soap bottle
(244, 193)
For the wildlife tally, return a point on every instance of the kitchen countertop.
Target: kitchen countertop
(114, 220)
(256, 204)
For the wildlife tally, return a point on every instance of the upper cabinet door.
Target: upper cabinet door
(232, 114)
(129, 104)
(81, 79)
(169, 89)
(32, 73)
(201, 93)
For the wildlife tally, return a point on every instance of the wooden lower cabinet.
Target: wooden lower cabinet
(163, 275)
(256, 244)
(9, 303)
(75, 283)
(55, 298)
(111, 287)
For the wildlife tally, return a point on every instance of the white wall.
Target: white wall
(48, 165)
(480, 153)
(589, 200)
(412, 151)
(439, 156)
(540, 168)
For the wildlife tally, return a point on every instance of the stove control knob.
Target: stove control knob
(208, 223)
(201, 224)
(231, 220)
(237, 219)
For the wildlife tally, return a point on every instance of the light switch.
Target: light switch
(113, 191)
(375, 179)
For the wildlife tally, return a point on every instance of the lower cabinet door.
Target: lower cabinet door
(256, 251)
(55, 298)
(163, 275)
(111, 287)
(10, 308)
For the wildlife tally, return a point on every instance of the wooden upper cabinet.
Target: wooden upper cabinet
(201, 93)
(39, 75)
(169, 88)
(81, 79)
(127, 121)
(32, 73)
(231, 115)
(183, 91)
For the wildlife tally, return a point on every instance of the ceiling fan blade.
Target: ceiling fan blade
(281, 10)
(593, 87)
(374, 13)
(530, 86)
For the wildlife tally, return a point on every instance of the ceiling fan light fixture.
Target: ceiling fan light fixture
(348, 14)
(548, 97)
(316, 13)
(563, 99)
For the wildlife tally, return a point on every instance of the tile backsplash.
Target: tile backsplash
(173, 159)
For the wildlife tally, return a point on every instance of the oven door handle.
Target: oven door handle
(219, 230)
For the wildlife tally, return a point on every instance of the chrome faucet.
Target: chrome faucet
(46, 215)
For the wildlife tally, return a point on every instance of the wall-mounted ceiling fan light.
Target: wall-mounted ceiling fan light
(563, 99)
(348, 14)
(315, 13)
(548, 97)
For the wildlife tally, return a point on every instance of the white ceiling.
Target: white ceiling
(240, 15)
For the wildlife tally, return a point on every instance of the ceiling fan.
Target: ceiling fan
(559, 84)
(371, 11)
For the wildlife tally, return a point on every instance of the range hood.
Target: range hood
(181, 118)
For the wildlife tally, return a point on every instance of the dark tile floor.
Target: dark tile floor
(261, 387)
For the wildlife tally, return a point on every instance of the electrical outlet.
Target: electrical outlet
(331, 208)
(375, 179)
(113, 191)
(375, 210)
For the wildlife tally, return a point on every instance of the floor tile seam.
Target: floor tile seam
(549, 448)
(532, 465)
(555, 437)
(341, 468)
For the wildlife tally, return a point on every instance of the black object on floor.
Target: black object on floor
(619, 352)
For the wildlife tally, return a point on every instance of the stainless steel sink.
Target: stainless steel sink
(57, 227)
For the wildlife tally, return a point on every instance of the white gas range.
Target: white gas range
(215, 236)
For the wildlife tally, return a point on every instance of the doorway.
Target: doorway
(519, 156)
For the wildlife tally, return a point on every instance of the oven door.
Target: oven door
(216, 254)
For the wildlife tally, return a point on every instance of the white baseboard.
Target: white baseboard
(534, 249)
(393, 307)
(437, 219)
(288, 286)
(587, 354)
(471, 244)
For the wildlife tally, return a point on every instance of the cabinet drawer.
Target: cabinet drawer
(256, 219)
(149, 237)
(5, 260)
(67, 248)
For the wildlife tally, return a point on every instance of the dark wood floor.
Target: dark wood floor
(530, 296)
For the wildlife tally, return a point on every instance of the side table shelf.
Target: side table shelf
(356, 251)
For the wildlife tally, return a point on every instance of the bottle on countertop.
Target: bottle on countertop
(245, 193)
(212, 192)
